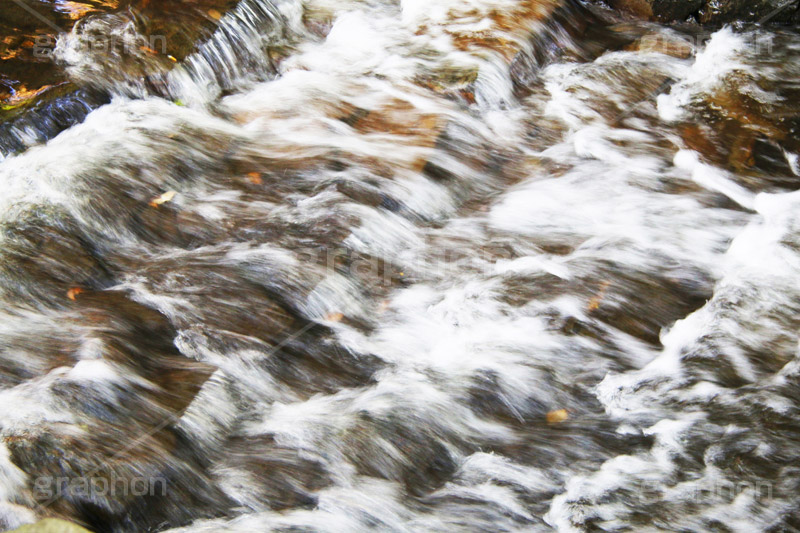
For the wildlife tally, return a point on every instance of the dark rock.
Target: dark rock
(573, 31)
(722, 11)
(37, 98)
(45, 254)
(661, 10)
(269, 476)
(110, 479)
(711, 11)
(45, 116)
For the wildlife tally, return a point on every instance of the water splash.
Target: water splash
(409, 268)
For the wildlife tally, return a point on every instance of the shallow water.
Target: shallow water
(478, 266)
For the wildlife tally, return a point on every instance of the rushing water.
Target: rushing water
(477, 265)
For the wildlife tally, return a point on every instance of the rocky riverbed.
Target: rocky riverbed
(345, 266)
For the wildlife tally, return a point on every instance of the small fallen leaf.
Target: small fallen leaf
(254, 178)
(73, 293)
(558, 416)
(164, 198)
(334, 317)
(148, 50)
(173, 58)
(214, 14)
(594, 303)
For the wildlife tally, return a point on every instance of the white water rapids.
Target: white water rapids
(412, 267)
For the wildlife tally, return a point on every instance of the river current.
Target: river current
(475, 265)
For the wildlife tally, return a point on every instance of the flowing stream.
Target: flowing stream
(472, 265)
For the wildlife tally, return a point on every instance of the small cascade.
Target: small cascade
(477, 265)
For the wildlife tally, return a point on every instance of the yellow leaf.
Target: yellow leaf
(73, 293)
(334, 317)
(164, 198)
(254, 178)
(597, 299)
(556, 417)
(214, 14)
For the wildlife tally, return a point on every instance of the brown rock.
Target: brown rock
(711, 11)
(662, 43)
(661, 10)
(720, 12)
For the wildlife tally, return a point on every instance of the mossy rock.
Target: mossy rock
(51, 525)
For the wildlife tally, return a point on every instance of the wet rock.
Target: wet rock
(37, 98)
(661, 10)
(574, 32)
(506, 25)
(402, 119)
(131, 50)
(26, 47)
(110, 478)
(710, 11)
(453, 82)
(663, 43)
(671, 296)
(394, 448)
(141, 339)
(293, 346)
(116, 450)
(723, 11)
(26, 44)
(45, 253)
(44, 115)
(263, 475)
(744, 133)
